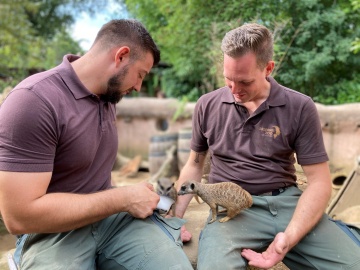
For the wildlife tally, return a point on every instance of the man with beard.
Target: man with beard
(58, 143)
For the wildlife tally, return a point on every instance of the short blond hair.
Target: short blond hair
(251, 37)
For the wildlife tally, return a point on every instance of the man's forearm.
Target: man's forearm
(192, 170)
(59, 212)
(184, 200)
(72, 211)
(310, 208)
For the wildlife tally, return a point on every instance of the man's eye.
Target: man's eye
(246, 83)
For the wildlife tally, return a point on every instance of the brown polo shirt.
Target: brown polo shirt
(257, 151)
(51, 123)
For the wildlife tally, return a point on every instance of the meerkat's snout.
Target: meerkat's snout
(187, 188)
(164, 186)
(182, 190)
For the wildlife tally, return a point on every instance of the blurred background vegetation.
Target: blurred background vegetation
(317, 45)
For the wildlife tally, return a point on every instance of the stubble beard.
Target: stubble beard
(113, 93)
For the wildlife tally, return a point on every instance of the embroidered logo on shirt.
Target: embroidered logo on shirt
(274, 131)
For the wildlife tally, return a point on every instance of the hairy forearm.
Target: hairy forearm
(192, 170)
(310, 208)
(59, 212)
(184, 200)
(27, 208)
(70, 211)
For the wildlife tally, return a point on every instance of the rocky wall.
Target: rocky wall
(138, 119)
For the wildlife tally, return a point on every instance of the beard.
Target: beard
(113, 93)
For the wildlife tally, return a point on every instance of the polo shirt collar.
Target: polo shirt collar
(276, 97)
(70, 78)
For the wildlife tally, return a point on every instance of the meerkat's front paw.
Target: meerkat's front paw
(224, 219)
(211, 221)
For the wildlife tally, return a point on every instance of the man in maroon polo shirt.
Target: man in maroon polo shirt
(252, 128)
(58, 144)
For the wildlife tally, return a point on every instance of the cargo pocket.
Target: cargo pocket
(170, 226)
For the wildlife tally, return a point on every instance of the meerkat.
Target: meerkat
(166, 187)
(228, 195)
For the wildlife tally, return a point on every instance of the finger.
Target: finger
(149, 186)
(185, 236)
(247, 252)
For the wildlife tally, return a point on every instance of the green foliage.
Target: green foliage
(355, 46)
(314, 50)
(345, 91)
(356, 43)
(320, 56)
(317, 42)
(356, 4)
(33, 34)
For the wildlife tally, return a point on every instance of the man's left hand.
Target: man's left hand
(273, 255)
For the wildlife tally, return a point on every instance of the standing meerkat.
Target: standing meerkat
(166, 187)
(228, 195)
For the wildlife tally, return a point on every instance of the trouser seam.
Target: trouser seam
(354, 264)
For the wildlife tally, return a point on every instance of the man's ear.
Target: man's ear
(122, 55)
(269, 68)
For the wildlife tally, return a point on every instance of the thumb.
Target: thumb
(280, 245)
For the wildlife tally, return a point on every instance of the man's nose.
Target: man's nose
(235, 88)
(137, 86)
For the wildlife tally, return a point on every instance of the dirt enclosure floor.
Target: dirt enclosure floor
(196, 215)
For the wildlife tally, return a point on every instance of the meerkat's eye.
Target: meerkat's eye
(161, 187)
(183, 188)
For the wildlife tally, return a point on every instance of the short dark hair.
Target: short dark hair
(247, 38)
(128, 32)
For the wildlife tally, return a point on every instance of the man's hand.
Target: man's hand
(141, 199)
(185, 235)
(273, 255)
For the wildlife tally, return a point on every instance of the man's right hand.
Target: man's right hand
(141, 199)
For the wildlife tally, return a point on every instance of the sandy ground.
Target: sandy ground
(7, 243)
